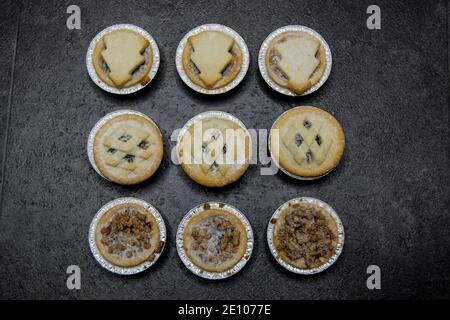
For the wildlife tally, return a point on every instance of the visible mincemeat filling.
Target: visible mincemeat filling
(127, 234)
(305, 235)
(215, 240)
(275, 59)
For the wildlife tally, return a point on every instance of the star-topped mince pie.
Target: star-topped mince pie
(123, 58)
(128, 148)
(295, 60)
(215, 240)
(128, 235)
(307, 142)
(212, 59)
(214, 151)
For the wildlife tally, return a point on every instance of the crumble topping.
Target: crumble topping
(128, 233)
(215, 240)
(305, 236)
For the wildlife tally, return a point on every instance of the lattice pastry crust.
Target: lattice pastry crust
(211, 164)
(128, 149)
(296, 61)
(215, 240)
(307, 141)
(215, 51)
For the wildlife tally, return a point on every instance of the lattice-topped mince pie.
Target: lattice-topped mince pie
(215, 151)
(305, 235)
(123, 58)
(295, 60)
(307, 142)
(212, 59)
(215, 240)
(128, 235)
(128, 148)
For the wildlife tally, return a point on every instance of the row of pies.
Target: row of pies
(214, 148)
(210, 58)
(215, 240)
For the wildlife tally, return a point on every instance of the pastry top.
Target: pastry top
(212, 59)
(123, 58)
(215, 151)
(305, 235)
(128, 235)
(215, 240)
(296, 60)
(128, 149)
(307, 141)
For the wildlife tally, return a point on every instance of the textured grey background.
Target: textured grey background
(388, 88)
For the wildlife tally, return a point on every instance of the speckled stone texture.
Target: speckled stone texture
(388, 88)
(9, 17)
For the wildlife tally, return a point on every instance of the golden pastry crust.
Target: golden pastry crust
(305, 236)
(128, 235)
(216, 175)
(310, 142)
(229, 74)
(128, 149)
(272, 58)
(209, 227)
(140, 75)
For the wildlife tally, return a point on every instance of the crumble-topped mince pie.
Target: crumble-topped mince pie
(212, 59)
(128, 235)
(128, 148)
(123, 58)
(305, 235)
(215, 151)
(307, 142)
(295, 60)
(215, 240)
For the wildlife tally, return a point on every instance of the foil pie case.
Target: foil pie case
(101, 123)
(281, 167)
(93, 245)
(212, 27)
(138, 86)
(316, 203)
(190, 265)
(263, 52)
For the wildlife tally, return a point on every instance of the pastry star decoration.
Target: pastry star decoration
(298, 61)
(211, 55)
(123, 54)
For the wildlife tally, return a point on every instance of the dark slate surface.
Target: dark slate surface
(9, 16)
(388, 88)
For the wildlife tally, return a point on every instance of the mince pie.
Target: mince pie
(212, 59)
(215, 240)
(123, 58)
(128, 148)
(295, 60)
(215, 151)
(305, 235)
(307, 142)
(127, 235)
